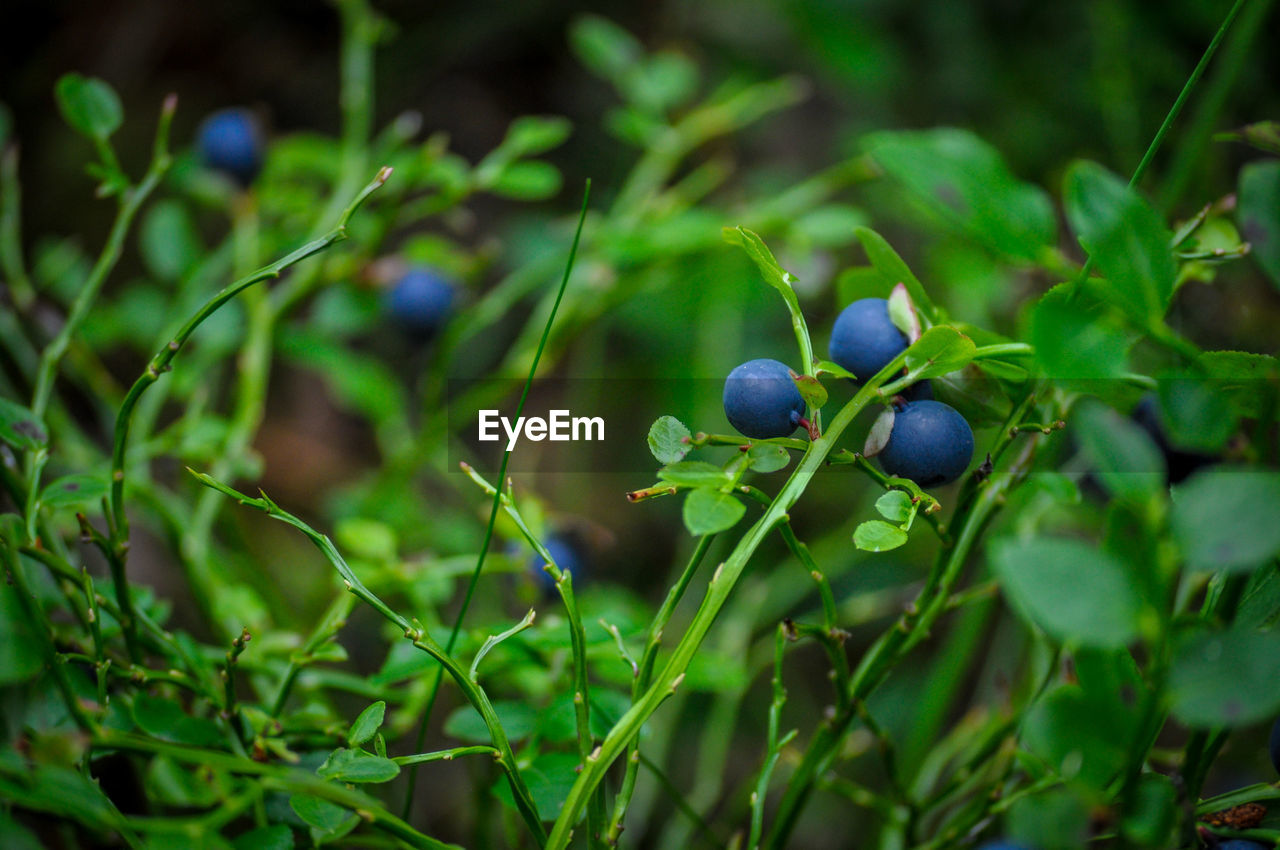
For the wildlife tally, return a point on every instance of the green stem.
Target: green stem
(418, 636)
(276, 778)
(644, 675)
(131, 201)
(15, 270)
(160, 363)
(774, 743)
(909, 630)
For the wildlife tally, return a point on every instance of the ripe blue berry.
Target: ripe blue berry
(863, 339)
(420, 302)
(1001, 844)
(564, 554)
(230, 141)
(1180, 463)
(930, 443)
(761, 400)
(1243, 844)
(1275, 745)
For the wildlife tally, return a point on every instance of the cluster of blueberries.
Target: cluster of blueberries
(930, 442)
(231, 141)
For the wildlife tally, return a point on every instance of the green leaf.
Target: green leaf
(1056, 819)
(763, 457)
(1225, 678)
(328, 818)
(176, 785)
(667, 80)
(861, 282)
(1069, 588)
(530, 135)
(82, 489)
(20, 428)
(1259, 606)
(1259, 214)
(277, 836)
(773, 273)
(519, 719)
(964, 182)
(1125, 237)
(367, 724)
(1244, 378)
(1085, 730)
(896, 506)
(707, 511)
(1225, 518)
(829, 226)
(13, 835)
(604, 47)
(20, 656)
(1075, 339)
(811, 390)
(1153, 812)
(942, 349)
(165, 719)
(549, 779)
(358, 382)
(367, 538)
(168, 240)
(876, 535)
(892, 268)
(694, 473)
(667, 440)
(345, 765)
(532, 180)
(1129, 464)
(89, 105)
(1194, 415)
(826, 367)
(6, 124)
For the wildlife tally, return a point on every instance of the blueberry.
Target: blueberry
(864, 339)
(564, 553)
(230, 141)
(1243, 844)
(930, 443)
(761, 400)
(420, 302)
(1180, 463)
(1001, 844)
(1275, 745)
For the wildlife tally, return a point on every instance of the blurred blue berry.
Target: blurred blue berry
(230, 141)
(420, 302)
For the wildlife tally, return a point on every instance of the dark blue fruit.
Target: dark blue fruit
(563, 553)
(761, 400)
(930, 443)
(1001, 844)
(1275, 745)
(1243, 844)
(230, 141)
(1180, 463)
(863, 339)
(420, 302)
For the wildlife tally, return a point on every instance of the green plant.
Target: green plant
(1066, 669)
